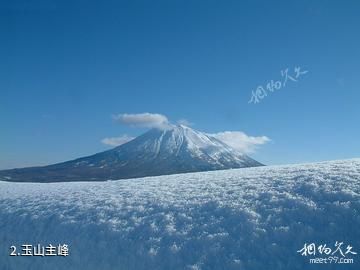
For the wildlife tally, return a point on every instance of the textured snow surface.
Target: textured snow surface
(254, 218)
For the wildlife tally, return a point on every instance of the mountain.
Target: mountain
(177, 149)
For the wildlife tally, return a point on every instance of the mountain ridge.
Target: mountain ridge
(174, 149)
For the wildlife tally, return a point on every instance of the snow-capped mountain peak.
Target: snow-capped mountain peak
(174, 149)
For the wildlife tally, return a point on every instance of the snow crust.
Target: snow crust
(252, 218)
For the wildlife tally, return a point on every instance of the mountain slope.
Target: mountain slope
(178, 149)
(252, 218)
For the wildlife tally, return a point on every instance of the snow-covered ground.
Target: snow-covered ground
(255, 218)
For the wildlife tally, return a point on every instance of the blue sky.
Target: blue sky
(68, 66)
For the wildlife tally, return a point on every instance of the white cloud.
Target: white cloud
(116, 141)
(149, 120)
(184, 122)
(240, 141)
